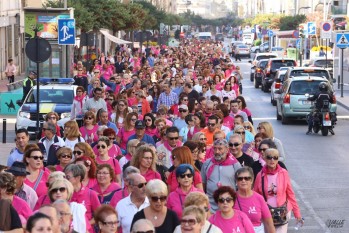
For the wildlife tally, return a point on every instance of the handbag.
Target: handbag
(279, 214)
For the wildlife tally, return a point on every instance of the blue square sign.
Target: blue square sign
(66, 31)
(342, 40)
(311, 28)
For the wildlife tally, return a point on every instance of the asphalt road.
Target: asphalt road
(317, 165)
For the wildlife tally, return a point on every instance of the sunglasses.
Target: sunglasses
(112, 223)
(204, 87)
(269, 157)
(228, 200)
(133, 119)
(96, 72)
(79, 70)
(141, 185)
(236, 144)
(88, 118)
(247, 178)
(52, 118)
(185, 99)
(185, 175)
(239, 101)
(156, 199)
(203, 139)
(242, 132)
(99, 146)
(259, 128)
(227, 84)
(77, 152)
(190, 222)
(61, 190)
(149, 120)
(182, 110)
(121, 105)
(211, 124)
(111, 99)
(247, 127)
(37, 157)
(66, 156)
(263, 149)
(173, 138)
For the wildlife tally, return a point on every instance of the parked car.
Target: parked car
(292, 103)
(55, 95)
(255, 60)
(219, 37)
(243, 50)
(263, 48)
(277, 84)
(309, 71)
(323, 62)
(259, 72)
(280, 51)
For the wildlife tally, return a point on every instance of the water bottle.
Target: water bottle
(299, 224)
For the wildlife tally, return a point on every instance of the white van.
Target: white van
(204, 35)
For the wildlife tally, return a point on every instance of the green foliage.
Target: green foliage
(291, 22)
(257, 42)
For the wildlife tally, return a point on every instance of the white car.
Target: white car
(56, 95)
(277, 85)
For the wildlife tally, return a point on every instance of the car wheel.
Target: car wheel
(256, 85)
(284, 120)
(278, 116)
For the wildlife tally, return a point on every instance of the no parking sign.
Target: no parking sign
(326, 30)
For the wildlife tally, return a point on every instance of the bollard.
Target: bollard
(3, 130)
(339, 81)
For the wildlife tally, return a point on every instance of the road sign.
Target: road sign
(311, 28)
(270, 33)
(252, 30)
(342, 40)
(295, 34)
(66, 31)
(298, 43)
(326, 30)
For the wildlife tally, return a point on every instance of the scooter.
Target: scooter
(323, 120)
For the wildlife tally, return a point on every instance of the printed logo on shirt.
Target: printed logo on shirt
(237, 230)
(272, 190)
(252, 210)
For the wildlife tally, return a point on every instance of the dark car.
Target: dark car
(273, 66)
(259, 72)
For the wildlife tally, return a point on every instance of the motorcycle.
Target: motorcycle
(323, 120)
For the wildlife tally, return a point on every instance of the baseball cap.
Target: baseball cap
(183, 106)
(140, 124)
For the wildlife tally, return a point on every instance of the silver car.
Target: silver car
(277, 84)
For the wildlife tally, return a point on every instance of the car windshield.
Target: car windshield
(56, 96)
(277, 64)
(242, 47)
(281, 77)
(277, 49)
(322, 63)
(265, 57)
(302, 87)
(307, 72)
(263, 64)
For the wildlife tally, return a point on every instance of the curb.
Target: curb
(343, 105)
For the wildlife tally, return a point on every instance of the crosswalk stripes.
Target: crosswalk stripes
(248, 99)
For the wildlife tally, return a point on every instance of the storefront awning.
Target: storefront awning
(114, 38)
(284, 34)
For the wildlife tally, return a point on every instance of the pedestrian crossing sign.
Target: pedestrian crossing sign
(342, 40)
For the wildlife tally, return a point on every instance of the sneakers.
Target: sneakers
(331, 131)
(308, 132)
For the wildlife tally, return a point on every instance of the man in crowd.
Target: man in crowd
(65, 216)
(133, 203)
(167, 97)
(140, 133)
(54, 215)
(212, 127)
(16, 154)
(95, 103)
(104, 120)
(234, 105)
(183, 112)
(165, 149)
(219, 170)
(239, 120)
(192, 94)
(235, 148)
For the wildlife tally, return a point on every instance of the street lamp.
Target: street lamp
(304, 7)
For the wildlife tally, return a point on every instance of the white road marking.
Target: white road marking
(301, 196)
(8, 120)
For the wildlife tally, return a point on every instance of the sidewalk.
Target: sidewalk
(4, 82)
(342, 101)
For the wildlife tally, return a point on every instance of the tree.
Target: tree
(291, 22)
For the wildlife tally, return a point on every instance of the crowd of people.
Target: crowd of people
(161, 141)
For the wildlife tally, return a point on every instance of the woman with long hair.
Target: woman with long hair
(83, 149)
(90, 177)
(199, 124)
(182, 100)
(65, 157)
(131, 97)
(142, 103)
(121, 109)
(228, 90)
(145, 160)
(128, 130)
(149, 121)
(243, 107)
(89, 129)
(72, 135)
(79, 101)
(156, 91)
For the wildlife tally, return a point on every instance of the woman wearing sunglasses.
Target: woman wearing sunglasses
(78, 102)
(106, 218)
(38, 175)
(185, 176)
(243, 107)
(228, 90)
(120, 112)
(274, 184)
(103, 157)
(247, 200)
(163, 219)
(226, 218)
(83, 149)
(89, 129)
(145, 160)
(106, 185)
(149, 121)
(60, 189)
(65, 157)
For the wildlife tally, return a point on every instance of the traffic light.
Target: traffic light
(336, 3)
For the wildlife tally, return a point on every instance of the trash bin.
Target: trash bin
(293, 53)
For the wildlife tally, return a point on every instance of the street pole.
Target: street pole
(342, 78)
(300, 51)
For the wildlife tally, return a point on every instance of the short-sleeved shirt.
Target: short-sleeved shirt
(238, 223)
(173, 183)
(112, 162)
(124, 135)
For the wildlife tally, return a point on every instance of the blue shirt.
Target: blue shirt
(15, 155)
(146, 138)
(248, 136)
(111, 125)
(180, 123)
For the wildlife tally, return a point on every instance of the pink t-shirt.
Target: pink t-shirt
(22, 207)
(112, 162)
(113, 151)
(124, 135)
(90, 135)
(272, 189)
(132, 101)
(41, 187)
(247, 111)
(118, 195)
(228, 121)
(151, 175)
(173, 183)
(43, 200)
(150, 132)
(91, 182)
(254, 207)
(238, 223)
(175, 200)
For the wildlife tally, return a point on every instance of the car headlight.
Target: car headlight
(24, 114)
(65, 115)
